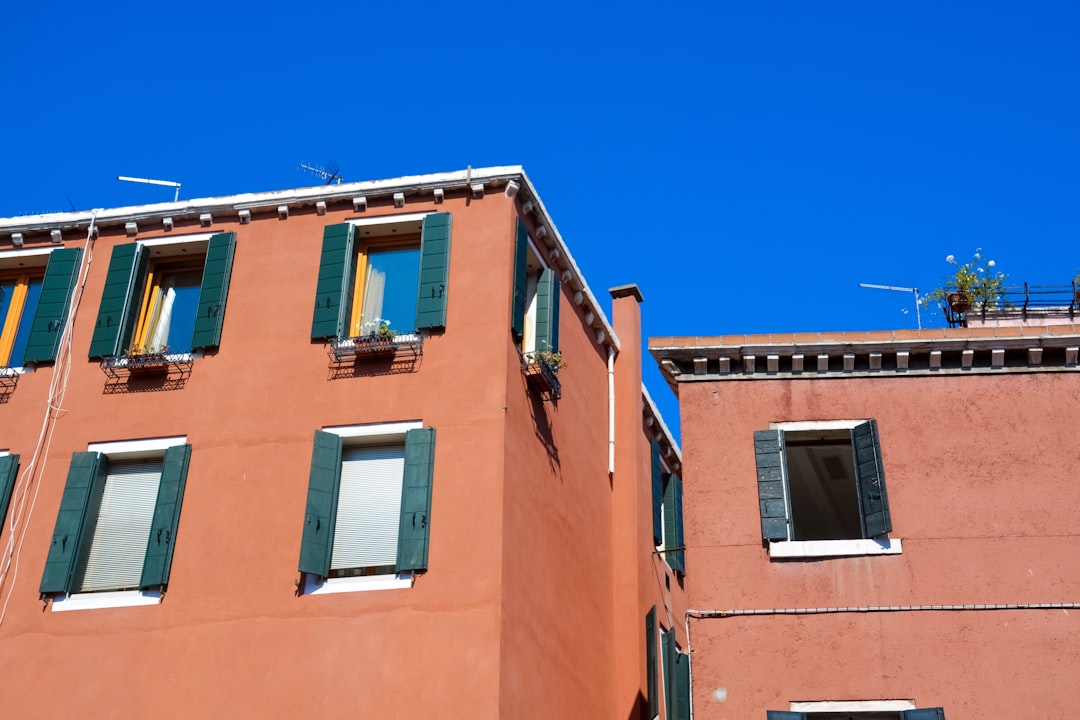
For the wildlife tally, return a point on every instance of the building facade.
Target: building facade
(881, 525)
(369, 449)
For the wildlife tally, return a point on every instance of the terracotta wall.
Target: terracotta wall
(978, 471)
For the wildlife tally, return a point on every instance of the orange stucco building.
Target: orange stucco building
(881, 525)
(364, 450)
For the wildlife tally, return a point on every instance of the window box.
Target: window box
(405, 345)
(171, 366)
(542, 374)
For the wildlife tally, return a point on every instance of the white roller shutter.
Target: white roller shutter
(369, 505)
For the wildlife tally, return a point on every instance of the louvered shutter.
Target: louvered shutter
(650, 662)
(873, 500)
(162, 543)
(923, 714)
(657, 493)
(47, 328)
(9, 471)
(434, 272)
(521, 254)
(769, 454)
(784, 715)
(682, 686)
(415, 526)
(321, 509)
(547, 311)
(667, 641)
(217, 271)
(673, 524)
(117, 528)
(333, 291)
(113, 328)
(87, 470)
(369, 505)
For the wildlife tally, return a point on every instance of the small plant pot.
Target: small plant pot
(960, 302)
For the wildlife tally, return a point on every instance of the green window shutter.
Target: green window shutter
(682, 686)
(60, 277)
(547, 311)
(673, 521)
(215, 289)
(769, 453)
(650, 662)
(923, 714)
(434, 272)
(657, 493)
(320, 514)
(113, 328)
(332, 293)
(873, 500)
(9, 471)
(521, 254)
(667, 641)
(415, 526)
(87, 470)
(784, 715)
(159, 550)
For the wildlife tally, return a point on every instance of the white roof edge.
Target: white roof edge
(660, 420)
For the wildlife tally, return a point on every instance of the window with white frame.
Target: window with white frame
(857, 710)
(35, 291)
(535, 311)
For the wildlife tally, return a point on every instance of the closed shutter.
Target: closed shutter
(521, 255)
(667, 641)
(369, 505)
(682, 686)
(784, 715)
(60, 277)
(159, 550)
(415, 527)
(873, 500)
(673, 524)
(923, 714)
(113, 328)
(214, 291)
(769, 454)
(657, 494)
(332, 291)
(650, 662)
(322, 498)
(9, 470)
(88, 469)
(118, 527)
(547, 311)
(434, 272)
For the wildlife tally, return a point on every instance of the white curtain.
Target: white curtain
(157, 333)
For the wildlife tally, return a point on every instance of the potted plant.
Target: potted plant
(974, 284)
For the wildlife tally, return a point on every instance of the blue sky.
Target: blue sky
(746, 164)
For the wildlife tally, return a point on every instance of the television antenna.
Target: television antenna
(329, 173)
(918, 315)
(147, 181)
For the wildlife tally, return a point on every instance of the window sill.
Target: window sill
(834, 548)
(98, 600)
(400, 581)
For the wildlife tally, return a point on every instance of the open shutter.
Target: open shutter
(332, 291)
(667, 641)
(650, 662)
(87, 469)
(769, 453)
(657, 494)
(159, 550)
(521, 255)
(682, 686)
(673, 522)
(322, 499)
(52, 310)
(434, 272)
(121, 286)
(547, 311)
(413, 532)
(873, 501)
(923, 714)
(9, 470)
(784, 715)
(215, 289)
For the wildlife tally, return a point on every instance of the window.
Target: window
(676, 679)
(667, 513)
(164, 295)
(535, 312)
(9, 471)
(823, 481)
(369, 503)
(35, 291)
(116, 527)
(857, 710)
(390, 272)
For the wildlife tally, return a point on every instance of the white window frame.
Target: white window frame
(532, 284)
(794, 549)
(123, 450)
(822, 706)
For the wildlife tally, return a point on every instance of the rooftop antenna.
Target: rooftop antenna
(918, 315)
(329, 173)
(147, 181)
